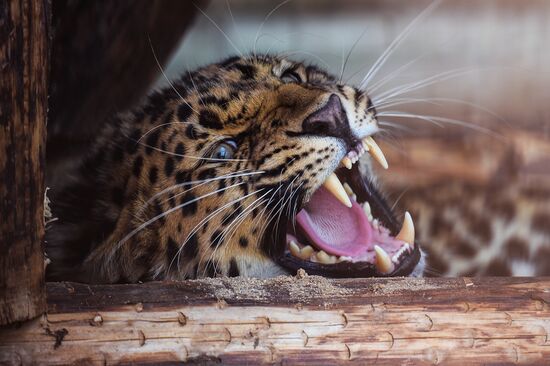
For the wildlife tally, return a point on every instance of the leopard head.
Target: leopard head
(254, 166)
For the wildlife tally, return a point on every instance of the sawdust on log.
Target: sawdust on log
(300, 287)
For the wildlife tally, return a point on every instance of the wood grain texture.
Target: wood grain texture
(24, 40)
(299, 321)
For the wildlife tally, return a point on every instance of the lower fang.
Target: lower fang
(384, 264)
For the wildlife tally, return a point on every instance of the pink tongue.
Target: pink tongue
(333, 227)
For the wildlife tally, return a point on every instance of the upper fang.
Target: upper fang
(376, 152)
(334, 186)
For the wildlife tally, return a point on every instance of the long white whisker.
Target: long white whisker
(221, 30)
(402, 89)
(436, 101)
(204, 221)
(234, 23)
(263, 23)
(159, 216)
(345, 61)
(397, 126)
(157, 127)
(204, 181)
(399, 70)
(190, 156)
(166, 77)
(309, 54)
(436, 120)
(396, 43)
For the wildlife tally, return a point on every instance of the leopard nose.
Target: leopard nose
(329, 120)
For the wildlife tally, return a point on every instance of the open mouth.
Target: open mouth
(347, 229)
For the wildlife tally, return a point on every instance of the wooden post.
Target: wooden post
(304, 320)
(24, 41)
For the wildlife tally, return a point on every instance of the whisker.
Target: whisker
(203, 222)
(345, 61)
(309, 54)
(402, 89)
(234, 23)
(221, 30)
(399, 198)
(396, 43)
(156, 128)
(436, 120)
(399, 70)
(169, 211)
(166, 77)
(190, 156)
(263, 23)
(231, 175)
(397, 126)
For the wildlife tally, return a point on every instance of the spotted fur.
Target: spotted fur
(152, 201)
(499, 230)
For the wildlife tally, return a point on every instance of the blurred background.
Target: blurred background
(462, 101)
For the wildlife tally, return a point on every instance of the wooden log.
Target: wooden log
(24, 40)
(303, 320)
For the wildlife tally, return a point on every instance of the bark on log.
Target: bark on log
(303, 320)
(24, 40)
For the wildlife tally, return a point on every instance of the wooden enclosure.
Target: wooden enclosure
(286, 320)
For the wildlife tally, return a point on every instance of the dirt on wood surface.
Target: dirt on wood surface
(299, 287)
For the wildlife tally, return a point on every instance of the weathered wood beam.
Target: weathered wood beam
(24, 40)
(290, 320)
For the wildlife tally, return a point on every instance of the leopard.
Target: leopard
(254, 166)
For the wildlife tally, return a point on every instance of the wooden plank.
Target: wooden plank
(304, 320)
(24, 40)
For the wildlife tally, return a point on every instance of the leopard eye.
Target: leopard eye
(291, 76)
(224, 150)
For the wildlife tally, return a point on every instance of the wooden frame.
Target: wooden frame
(296, 320)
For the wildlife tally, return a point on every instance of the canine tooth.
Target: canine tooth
(294, 248)
(334, 186)
(347, 162)
(348, 189)
(306, 252)
(365, 145)
(407, 230)
(383, 261)
(376, 152)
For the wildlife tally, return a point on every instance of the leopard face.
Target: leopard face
(238, 168)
